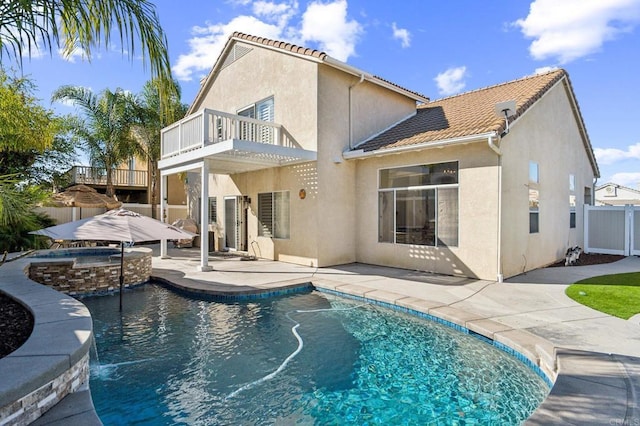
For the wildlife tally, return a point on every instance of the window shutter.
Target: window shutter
(265, 214)
(264, 112)
(213, 210)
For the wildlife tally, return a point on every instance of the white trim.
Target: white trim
(179, 169)
(349, 155)
(186, 160)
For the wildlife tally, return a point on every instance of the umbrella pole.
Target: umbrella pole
(121, 271)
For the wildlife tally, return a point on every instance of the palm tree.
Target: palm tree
(32, 25)
(151, 118)
(106, 130)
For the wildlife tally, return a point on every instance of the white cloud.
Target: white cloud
(324, 24)
(451, 81)
(74, 55)
(570, 29)
(544, 70)
(278, 13)
(207, 43)
(327, 24)
(401, 34)
(631, 180)
(613, 155)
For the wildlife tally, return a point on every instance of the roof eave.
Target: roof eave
(360, 154)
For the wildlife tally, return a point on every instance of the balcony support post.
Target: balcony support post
(204, 218)
(163, 213)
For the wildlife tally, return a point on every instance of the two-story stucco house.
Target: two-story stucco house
(305, 159)
(612, 194)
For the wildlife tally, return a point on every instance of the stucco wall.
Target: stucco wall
(263, 73)
(547, 134)
(476, 253)
(302, 247)
(371, 110)
(312, 102)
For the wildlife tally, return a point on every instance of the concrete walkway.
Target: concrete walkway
(595, 357)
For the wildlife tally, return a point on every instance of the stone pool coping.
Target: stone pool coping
(54, 361)
(590, 387)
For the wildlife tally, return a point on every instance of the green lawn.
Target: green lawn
(617, 295)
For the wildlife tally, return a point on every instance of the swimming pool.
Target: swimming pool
(306, 358)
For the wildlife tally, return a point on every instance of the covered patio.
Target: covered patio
(215, 142)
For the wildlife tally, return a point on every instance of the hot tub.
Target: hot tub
(89, 270)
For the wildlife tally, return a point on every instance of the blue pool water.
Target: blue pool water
(174, 360)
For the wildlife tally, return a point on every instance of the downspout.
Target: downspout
(495, 148)
(350, 114)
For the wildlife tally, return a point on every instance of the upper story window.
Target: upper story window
(263, 111)
(533, 172)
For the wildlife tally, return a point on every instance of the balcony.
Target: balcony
(231, 143)
(96, 176)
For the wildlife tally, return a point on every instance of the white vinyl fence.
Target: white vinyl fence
(69, 214)
(612, 230)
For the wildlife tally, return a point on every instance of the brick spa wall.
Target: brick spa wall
(84, 271)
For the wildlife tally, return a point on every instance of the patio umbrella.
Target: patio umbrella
(83, 196)
(116, 225)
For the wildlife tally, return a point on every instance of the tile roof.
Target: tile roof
(322, 56)
(280, 45)
(316, 55)
(467, 114)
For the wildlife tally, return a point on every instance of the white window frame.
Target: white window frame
(436, 188)
(278, 225)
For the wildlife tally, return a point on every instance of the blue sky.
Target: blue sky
(432, 47)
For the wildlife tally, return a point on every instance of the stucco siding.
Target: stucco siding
(548, 135)
(301, 247)
(476, 253)
(291, 80)
(336, 215)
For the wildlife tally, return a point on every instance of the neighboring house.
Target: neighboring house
(131, 182)
(306, 159)
(612, 194)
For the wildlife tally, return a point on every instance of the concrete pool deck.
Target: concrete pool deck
(596, 357)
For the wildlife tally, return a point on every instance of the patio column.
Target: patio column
(204, 217)
(163, 213)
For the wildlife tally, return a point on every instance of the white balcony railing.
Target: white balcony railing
(208, 127)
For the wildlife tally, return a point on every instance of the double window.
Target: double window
(263, 111)
(273, 214)
(419, 205)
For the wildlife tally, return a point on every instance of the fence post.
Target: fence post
(628, 227)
